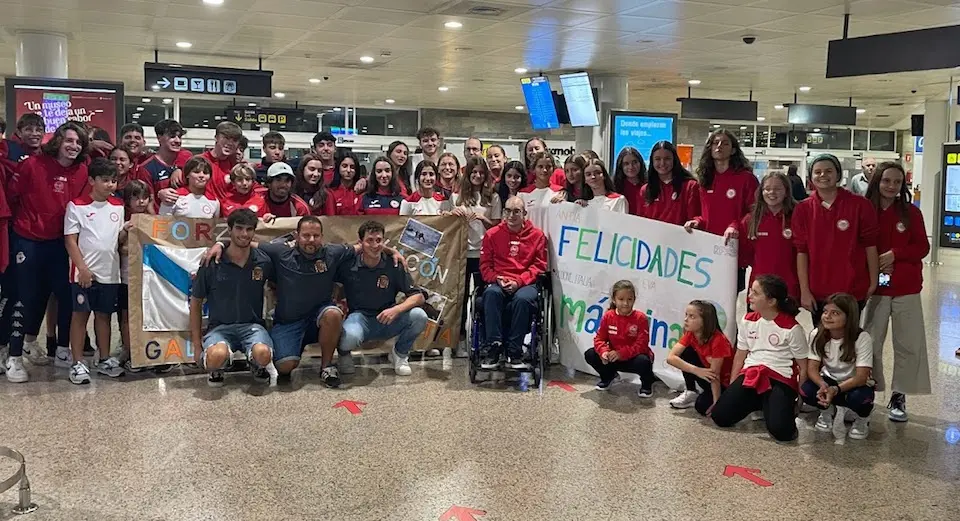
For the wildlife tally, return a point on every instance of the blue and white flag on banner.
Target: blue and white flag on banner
(167, 278)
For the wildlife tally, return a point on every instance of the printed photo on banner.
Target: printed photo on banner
(435, 304)
(420, 237)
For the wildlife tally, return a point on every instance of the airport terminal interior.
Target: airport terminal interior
(789, 84)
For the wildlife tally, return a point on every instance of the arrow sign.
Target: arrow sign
(459, 513)
(163, 83)
(350, 405)
(562, 385)
(747, 474)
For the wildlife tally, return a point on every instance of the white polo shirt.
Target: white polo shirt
(97, 225)
(192, 206)
(774, 344)
(831, 365)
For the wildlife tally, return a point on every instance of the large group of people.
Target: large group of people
(837, 253)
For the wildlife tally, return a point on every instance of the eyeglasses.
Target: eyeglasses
(513, 211)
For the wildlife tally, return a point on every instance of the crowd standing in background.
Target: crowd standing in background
(839, 253)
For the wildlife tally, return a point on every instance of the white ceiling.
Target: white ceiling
(657, 44)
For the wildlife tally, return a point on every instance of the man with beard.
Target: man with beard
(233, 291)
(280, 201)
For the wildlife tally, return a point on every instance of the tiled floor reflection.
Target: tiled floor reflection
(170, 448)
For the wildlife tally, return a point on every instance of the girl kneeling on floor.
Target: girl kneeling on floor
(622, 343)
(769, 364)
(839, 367)
(704, 355)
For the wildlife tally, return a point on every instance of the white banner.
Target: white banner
(591, 249)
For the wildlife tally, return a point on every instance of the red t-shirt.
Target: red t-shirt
(909, 245)
(220, 180)
(726, 202)
(771, 251)
(294, 206)
(327, 176)
(671, 207)
(628, 335)
(717, 347)
(634, 200)
(556, 178)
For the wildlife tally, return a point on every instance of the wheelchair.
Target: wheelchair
(536, 350)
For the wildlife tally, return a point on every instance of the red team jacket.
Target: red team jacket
(909, 245)
(41, 190)
(835, 240)
(294, 206)
(670, 207)
(730, 198)
(772, 251)
(518, 256)
(234, 200)
(345, 200)
(13, 152)
(628, 335)
(220, 180)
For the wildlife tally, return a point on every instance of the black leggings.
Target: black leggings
(778, 406)
(705, 400)
(472, 272)
(640, 364)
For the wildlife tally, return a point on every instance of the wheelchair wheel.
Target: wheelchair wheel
(473, 371)
(537, 376)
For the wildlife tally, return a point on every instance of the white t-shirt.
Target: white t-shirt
(416, 204)
(774, 344)
(538, 202)
(97, 225)
(192, 206)
(831, 365)
(476, 229)
(612, 202)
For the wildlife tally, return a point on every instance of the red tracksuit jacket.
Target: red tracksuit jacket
(909, 245)
(835, 240)
(772, 251)
(671, 207)
(234, 200)
(628, 335)
(345, 200)
(220, 180)
(727, 201)
(41, 190)
(520, 256)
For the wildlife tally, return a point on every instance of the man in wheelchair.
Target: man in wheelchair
(513, 254)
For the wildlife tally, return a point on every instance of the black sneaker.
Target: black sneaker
(603, 385)
(215, 379)
(645, 391)
(260, 374)
(518, 363)
(490, 356)
(330, 376)
(163, 369)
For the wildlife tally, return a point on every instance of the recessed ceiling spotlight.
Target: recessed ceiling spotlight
(140, 109)
(861, 111)
(804, 88)
(145, 100)
(167, 101)
(761, 118)
(519, 107)
(279, 95)
(716, 125)
(443, 89)
(389, 101)
(213, 2)
(251, 104)
(693, 82)
(184, 45)
(337, 109)
(520, 70)
(453, 25)
(743, 127)
(155, 88)
(315, 80)
(778, 107)
(816, 130)
(366, 59)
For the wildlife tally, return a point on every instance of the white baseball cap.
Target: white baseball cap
(279, 169)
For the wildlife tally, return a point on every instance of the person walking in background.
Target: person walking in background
(858, 184)
(797, 187)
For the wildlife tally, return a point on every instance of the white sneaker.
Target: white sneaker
(860, 429)
(15, 370)
(433, 352)
(825, 421)
(686, 400)
(64, 357)
(110, 367)
(401, 364)
(36, 354)
(462, 350)
(79, 374)
(447, 353)
(840, 428)
(345, 363)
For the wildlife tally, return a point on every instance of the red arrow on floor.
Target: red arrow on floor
(460, 513)
(350, 405)
(748, 474)
(562, 385)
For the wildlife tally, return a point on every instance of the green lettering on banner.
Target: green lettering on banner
(569, 309)
(581, 243)
(683, 265)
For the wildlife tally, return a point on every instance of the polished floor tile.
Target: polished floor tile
(170, 448)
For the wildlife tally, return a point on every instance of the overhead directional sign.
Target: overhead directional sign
(171, 77)
(264, 115)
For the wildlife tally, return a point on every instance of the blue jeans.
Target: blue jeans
(288, 338)
(359, 328)
(858, 399)
(238, 337)
(517, 309)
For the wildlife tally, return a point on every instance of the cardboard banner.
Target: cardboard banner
(591, 249)
(164, 254)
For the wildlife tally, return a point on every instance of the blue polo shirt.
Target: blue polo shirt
(304, 282)
(234, 294)
(372, 290)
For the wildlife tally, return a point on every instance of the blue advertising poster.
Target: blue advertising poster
(539, 98)
(640, 130)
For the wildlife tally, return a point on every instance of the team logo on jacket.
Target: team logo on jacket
(115, 217)
(731, 193)
(901, 227)
(632, 331)
(258, 273)
(383, 281)
(787, 233)
(514, 249)
(394, 203)
(320, 266)
(774, 339)
(674, 196)
(843, 224)
(58, 186)
(21, 257)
